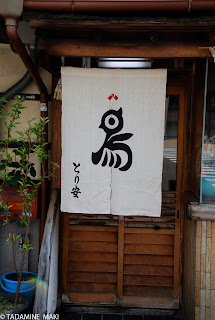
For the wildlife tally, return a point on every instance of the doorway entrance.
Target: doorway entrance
(132, 261)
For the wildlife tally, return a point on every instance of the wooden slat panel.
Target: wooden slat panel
(169, 192)
(92, 277)
(148, 291)
(149, 249)
(148, 270)
(143, 218)
(92, 287)
(150, 302)
(76, 297)
(177, 259)
(92, 266)
(106, 219)
(166, 221)
(93, 221)
(93, 256)
(168, 210)
(147, 231)
(92, 236)
(149, 260)
(93, 228)
(93, 246)
(149, 239)
(170, 215)
(148, 280)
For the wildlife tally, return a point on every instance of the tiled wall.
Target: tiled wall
(205, 271)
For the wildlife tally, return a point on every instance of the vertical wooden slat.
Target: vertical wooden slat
(177, 253)
(65, 253)
(120, 258)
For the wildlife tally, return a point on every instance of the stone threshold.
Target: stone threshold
(117, 313)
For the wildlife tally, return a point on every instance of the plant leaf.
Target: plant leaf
(33, 172)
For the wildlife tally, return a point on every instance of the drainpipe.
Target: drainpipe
(24, 81)
(119, 5)
(11, 29)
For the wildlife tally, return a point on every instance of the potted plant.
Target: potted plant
(17, 171)
(7, 305)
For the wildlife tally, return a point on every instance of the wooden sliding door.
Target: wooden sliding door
(132, 261)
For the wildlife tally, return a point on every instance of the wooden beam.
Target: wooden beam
(84, 48)
(205, 212)
(58, 20)
(55, 24)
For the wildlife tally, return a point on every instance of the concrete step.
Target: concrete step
(113, 316)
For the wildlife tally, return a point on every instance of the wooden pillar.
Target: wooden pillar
(65, 253)
(120, 259)
(56, 112)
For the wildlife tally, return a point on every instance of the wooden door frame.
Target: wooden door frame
(176, 87)
(179, 86)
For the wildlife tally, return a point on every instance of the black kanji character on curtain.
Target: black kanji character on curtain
(112, 123)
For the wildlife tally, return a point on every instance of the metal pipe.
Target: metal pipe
(20, 48)
(119, 5)
(24, 81)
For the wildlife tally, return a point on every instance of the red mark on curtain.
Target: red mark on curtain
(113, 96)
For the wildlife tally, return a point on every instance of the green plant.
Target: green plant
(18, 169)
